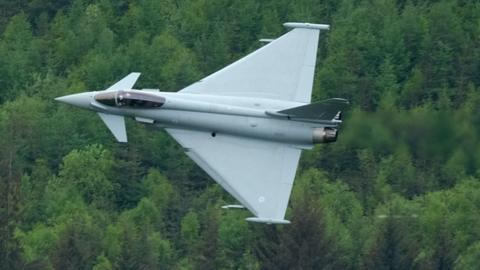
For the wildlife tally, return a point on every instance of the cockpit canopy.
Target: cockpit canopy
(130, 98)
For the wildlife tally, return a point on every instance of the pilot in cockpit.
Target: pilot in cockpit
(130, 98)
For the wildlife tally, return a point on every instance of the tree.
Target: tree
(469, 259)
(17, 127)
(308, 243)
(77, 246)
(190, 230)
(392, 245)
(19, 56)
(89, 172)
(234, 240)
(207, 252)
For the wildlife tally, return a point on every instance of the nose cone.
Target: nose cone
(81, 100)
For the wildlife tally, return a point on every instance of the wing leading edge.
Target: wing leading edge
(259, 174)
(283, 69)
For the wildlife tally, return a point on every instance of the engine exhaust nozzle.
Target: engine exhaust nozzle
(325, 135)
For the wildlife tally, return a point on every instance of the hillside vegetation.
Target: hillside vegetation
(399, 190)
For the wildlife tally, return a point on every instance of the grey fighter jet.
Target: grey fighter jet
(245, 125)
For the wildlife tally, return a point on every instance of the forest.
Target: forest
(400, 189)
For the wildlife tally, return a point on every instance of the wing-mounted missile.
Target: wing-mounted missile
(233, 206)
(266, 40)
(268, 220)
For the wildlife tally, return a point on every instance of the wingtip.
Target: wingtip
(268, 220)
(344, 100)
(307, 25)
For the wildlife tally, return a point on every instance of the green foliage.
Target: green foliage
(469, 259)
(37, 242)
(190, 230)
(102, 263)
(77, 246)
(88, 172)
(399, 190)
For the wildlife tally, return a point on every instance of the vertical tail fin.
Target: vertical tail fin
(328, 110)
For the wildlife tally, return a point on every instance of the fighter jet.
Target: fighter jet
(245, 125)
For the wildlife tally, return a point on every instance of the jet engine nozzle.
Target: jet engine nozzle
(325, 135)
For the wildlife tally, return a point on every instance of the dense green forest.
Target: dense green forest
(399, 190)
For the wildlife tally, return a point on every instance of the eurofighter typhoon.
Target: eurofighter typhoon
(245, 125)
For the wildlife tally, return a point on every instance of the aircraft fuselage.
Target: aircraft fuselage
(238, 116)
